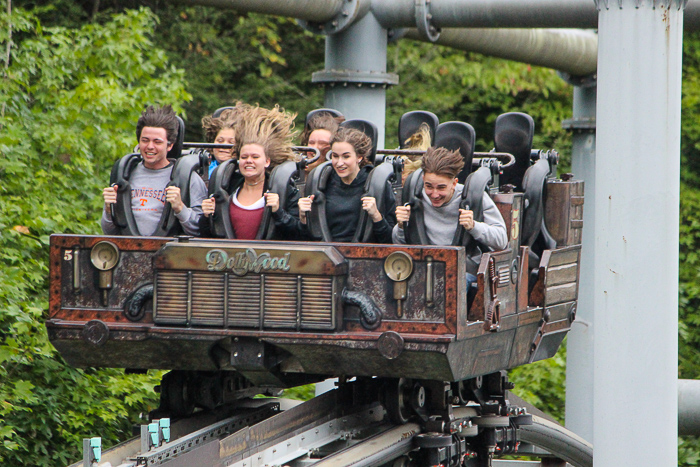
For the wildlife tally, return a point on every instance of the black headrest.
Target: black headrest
(176, 150)
(410, 122)
(368, 128)
(217, 113)
(457, 136)
(513, 134)
(313, 113)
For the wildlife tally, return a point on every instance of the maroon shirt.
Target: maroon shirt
(245, 222)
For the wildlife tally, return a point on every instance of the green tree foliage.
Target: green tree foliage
(68, 104)
(70, 96)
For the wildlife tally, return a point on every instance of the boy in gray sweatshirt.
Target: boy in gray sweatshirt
(157, 131)
(441, 213)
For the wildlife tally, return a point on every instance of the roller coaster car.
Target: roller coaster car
(279, 314)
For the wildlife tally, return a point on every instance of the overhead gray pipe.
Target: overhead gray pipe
(572, 51)
(503, 13)
(393, 14)
(490, 13)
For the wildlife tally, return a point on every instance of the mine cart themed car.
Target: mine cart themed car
(235, 318)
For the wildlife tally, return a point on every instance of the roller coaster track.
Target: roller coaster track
(338, 429)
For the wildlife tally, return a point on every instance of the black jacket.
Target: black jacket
(344, 205)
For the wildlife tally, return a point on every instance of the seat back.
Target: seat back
(369, 129)
(475, 186)
(316, 183)
(378, 181)
(376, 185)
(410, 122)
(513, 132)
(121, 213)
(184, 169)
(217, 113)
(534, 231)
(457, 136)
(281, 182)
(176, 151)
(226, 178)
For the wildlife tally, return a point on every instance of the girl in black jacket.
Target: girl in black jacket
(344, 201)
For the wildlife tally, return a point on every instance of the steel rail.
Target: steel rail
(556, 439)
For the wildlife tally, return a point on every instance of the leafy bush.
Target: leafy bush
(68, 102)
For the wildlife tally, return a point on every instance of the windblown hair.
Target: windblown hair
(409, 167)
(441, 161)
(228, 119)
(420, 139)
(159, 117)
(272, 129)
(361, 143)
(321, 121)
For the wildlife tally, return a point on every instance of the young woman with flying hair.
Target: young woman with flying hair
(263, 141)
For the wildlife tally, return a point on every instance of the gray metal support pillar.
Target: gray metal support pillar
(579, 355)
(637, 185)
(355, 75)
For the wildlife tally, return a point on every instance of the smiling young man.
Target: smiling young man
(156, 131)
(442, 215)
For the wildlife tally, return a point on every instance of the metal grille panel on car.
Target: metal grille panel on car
(266, 301)
(171, 297)
(244, 302)
(316, 293)
(207, 299)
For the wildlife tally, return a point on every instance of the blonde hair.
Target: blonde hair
(410, 166)
(270, 128)
(420, 140)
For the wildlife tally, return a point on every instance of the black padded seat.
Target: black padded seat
(376, 185)
(534, 231)
(457, 136)
(176, 151)
(123, 217)
(224, 181)
(513, 132)
(410, 122)
(368, 128)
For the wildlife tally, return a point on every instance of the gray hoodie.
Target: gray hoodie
(441, 224)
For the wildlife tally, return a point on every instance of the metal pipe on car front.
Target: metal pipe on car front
(370, 314)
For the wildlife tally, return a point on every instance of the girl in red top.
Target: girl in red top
(264, 140)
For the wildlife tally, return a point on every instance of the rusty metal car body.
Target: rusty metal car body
(279, 314)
